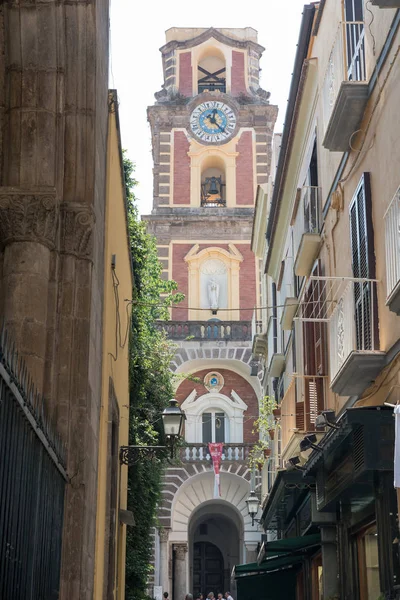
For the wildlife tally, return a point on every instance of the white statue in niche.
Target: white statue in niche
(213, 293)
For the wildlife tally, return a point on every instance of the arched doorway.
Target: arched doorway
(215, 546)
(208, 568)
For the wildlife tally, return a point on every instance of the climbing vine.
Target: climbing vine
(150, 389)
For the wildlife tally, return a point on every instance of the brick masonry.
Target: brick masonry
(181, 169)
(247, 278)
(185, 73)
(233, 381)
(180, 275)
(238, 80)
(245, 170)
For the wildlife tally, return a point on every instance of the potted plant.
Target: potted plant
(277, 412)
(259, 454)
(264, 422)
(271, 433)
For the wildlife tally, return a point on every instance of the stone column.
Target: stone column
(180, 583)
(32, 78)
(164, 559)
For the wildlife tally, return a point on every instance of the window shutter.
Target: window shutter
(220, 427)
(363, 262)
(207, 436)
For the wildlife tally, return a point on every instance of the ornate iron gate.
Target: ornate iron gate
(32, 484)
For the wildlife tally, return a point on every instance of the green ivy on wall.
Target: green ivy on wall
(150, 390)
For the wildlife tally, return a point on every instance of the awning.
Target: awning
(292, 544)
(280, 554)
(271, 564)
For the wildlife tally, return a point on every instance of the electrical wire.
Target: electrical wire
(179, 306)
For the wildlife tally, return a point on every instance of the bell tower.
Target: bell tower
(212, 128)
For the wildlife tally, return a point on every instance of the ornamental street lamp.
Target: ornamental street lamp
(253, 506)
(173, 419)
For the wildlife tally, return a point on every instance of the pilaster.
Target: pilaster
(181, 568)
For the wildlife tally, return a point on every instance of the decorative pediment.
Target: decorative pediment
(238, 401)
(217, 36)
(190, 399)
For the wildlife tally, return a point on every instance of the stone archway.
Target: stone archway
(215, 536)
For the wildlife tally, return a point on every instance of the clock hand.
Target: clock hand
(212, 118)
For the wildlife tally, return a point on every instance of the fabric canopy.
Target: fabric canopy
(280, 554)
(292, 544)
(266, 566)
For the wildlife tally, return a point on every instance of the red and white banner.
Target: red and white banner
(216, 455)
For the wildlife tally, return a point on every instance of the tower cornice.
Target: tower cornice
(218, 36)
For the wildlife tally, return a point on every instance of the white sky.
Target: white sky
(137, 33)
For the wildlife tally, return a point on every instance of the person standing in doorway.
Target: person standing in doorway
(228, 596)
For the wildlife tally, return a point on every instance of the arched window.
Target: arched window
(214, 417)
(211, 71)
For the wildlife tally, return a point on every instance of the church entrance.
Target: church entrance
(208, 569)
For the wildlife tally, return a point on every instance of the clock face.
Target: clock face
(213, 121)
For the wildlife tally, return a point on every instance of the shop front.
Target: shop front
(353, 470)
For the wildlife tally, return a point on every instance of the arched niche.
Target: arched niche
(211, 70)
(208, 267)
(213, 175)
(214, 160)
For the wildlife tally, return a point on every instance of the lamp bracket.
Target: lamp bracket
(130, 455)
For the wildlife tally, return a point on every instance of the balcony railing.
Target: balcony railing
(302, 403)
(306, 230)
(258, 337)
(275, 354)
(392, 230)
(349, 307)
(343, 93)
(355, 358)
(200, 453)
(207, 330)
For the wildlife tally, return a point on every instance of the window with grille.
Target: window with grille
(363, 261)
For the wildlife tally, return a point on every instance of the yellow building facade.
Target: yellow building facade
(114, 416)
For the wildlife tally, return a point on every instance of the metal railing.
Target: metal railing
(392, 239)
(200, 452)
(207, 330)
(256, 323)
(346, 63)
(353, 325)
(212, 87)
(32, 484)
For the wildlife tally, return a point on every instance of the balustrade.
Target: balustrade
(207, 330)
(345, 84)
(200, 453)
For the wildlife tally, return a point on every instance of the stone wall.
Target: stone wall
(53, 133)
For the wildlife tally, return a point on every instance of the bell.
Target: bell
(213, 189)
